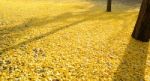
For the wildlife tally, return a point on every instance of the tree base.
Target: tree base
(140, 38)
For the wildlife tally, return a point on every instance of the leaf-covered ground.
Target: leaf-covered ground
(70, 40)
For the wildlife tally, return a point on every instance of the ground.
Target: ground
(70, 40)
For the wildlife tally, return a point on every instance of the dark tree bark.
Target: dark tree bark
(142, 28)
(109, 5)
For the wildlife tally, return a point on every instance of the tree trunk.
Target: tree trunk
(109, 5)
(142, 28)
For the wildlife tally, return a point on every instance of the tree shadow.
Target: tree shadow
(42, 36)
(91, 14)
(45, 20)
(133, 63)
(9, 34)
(35, 22)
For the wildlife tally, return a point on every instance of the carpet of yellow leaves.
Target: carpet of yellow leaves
(70, 40)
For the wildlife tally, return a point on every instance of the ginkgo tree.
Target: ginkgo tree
(109, 5)
(142, 28)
